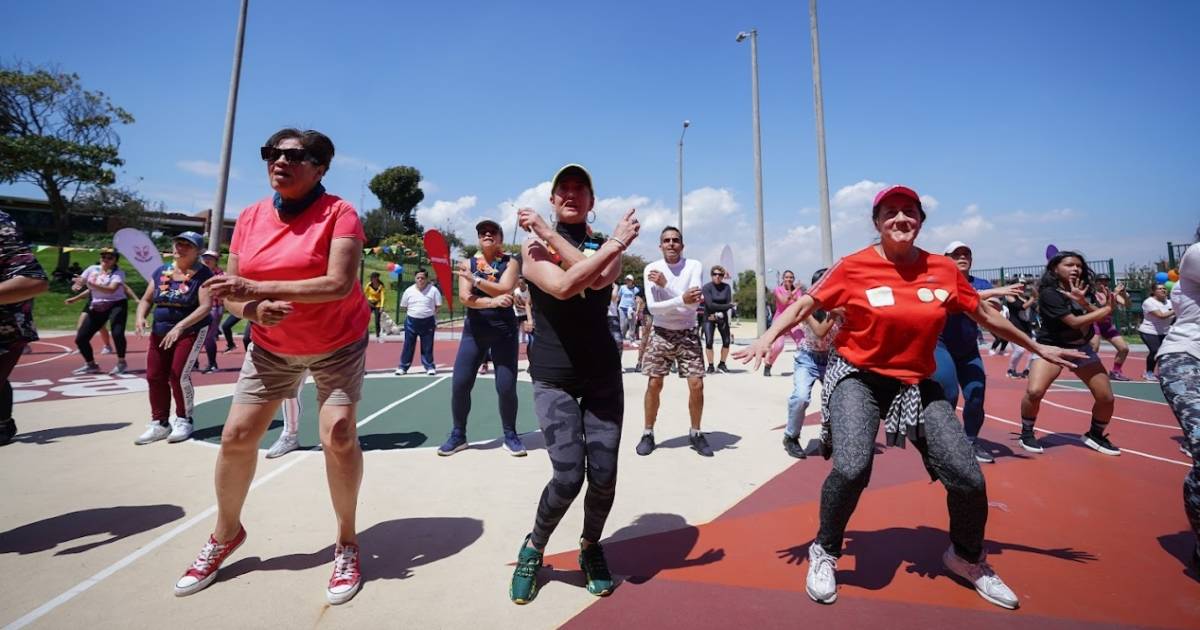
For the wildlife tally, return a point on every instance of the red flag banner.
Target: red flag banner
(439, 255)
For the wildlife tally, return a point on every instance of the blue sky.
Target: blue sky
(1024, 123)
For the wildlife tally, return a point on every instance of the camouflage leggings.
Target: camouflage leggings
(582, 429)
(1179, 377)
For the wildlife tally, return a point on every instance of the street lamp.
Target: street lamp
(760, 266)
(686, 124)
(216, 216)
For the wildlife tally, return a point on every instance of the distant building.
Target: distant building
(37, 220)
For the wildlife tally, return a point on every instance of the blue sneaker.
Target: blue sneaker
(455, 443)
(513, 444)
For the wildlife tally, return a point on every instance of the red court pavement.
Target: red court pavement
(1084, 540)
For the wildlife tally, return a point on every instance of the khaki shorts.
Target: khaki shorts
(667, 347)
(267, 376)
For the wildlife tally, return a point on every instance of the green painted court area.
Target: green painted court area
(421, 421)
(1133, 389)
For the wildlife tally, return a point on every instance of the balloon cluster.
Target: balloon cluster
(395, 270)
(1167, 278)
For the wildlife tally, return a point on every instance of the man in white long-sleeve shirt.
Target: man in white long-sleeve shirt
(672, 293)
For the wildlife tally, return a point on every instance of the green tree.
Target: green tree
(744, 297)
(128, 207)
(399, 191)
(379, 224)
(58, 136)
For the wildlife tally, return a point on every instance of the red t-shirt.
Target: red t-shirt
(270, 249)
(894, 313)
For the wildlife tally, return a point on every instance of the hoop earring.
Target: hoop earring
(591, 216)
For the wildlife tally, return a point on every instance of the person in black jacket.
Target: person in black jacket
(718, 300)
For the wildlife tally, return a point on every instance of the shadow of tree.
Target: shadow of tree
(653, 543)
(118, 522)
(391, 549)
(878, 555)
(49, 436)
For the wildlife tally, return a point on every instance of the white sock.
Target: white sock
(694, 432)
(649, 432)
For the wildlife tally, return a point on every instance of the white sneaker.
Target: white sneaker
(991, 353)
(400, 372)
(980, 575)
(106, 350)
(431, 372)
(181, 429)
(88, 368)
(1149, 376)
(821, 584)
(121, 368)
(154, 432)
(282, 446)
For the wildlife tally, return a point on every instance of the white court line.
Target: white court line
(1087, 391)
(1174, 427)
(66, 353)
(1123, 450)
(104, 573)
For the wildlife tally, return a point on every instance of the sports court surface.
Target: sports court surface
(96, 530)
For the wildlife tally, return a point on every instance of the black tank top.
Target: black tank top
(571, 340)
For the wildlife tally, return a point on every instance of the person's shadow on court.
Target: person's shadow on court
(879, 554)
(50, 436)
(117, 522)
(392, 441)
(390, 550)
(1182, 546)
(718, 440)
(650, 544)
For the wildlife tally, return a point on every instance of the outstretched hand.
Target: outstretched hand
(1078, 292)
(753, 354)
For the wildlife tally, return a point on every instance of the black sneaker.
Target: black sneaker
(710, 369)
(637, 367)
(721, 366)
(1030, 443)
(646, 444)
(981, 454)
(8, 428)
(793, 448)
(700, 444)
(595, 569)
(1025, 374)
(1013, 374)
(826, 441)
(766, 370)
(1099, 442)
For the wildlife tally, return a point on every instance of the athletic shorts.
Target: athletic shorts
(338, 374)
(1091, 358)
(670, 347)
(1106, 329)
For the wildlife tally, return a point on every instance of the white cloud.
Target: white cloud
(447, 214)
(1049, 216)
(428, 187)
(204, 168)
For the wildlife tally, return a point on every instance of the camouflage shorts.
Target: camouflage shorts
(668, 347)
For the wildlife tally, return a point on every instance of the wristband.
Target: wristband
(624, 245)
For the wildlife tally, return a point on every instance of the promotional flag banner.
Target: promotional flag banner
(136, 246)
(439, 255)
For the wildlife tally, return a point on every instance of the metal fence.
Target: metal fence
(1125, 319)
(1175, 253)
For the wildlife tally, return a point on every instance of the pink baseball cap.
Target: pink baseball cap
(903, 191)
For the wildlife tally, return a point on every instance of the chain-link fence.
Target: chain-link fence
(1126, 319)
(1175, 253)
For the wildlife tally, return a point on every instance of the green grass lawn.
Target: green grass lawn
(50, 313)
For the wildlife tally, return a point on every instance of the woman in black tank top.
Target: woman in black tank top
(576, 371)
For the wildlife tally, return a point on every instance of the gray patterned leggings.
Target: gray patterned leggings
(1179, 377)
(582, 428)
(856, 404)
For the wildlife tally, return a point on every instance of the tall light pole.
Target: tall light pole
(216, 216)
(686, 124)
(760, 264)
(819, 108)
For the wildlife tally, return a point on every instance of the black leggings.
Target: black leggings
(721, 326)
(1153, 343)
(378, 312)
(999, 345)
(116, 316)
(582, 428)
(227, 330)
(855, 405)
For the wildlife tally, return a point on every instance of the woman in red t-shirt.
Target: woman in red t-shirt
(293, 272)
(896, 298)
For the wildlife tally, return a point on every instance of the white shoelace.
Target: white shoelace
(345, 565)
(207, 555)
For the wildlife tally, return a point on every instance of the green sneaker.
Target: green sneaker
(523, 588)
(595, 568)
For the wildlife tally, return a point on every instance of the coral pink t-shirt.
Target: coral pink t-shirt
(271, 249)
(894, 313)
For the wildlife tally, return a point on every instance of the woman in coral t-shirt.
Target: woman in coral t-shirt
(896, 299)
(785, 295)
(292, 271)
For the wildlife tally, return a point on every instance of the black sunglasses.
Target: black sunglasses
(718, 274)
(291, 156)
